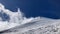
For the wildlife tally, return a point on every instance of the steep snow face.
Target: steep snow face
(16, 23)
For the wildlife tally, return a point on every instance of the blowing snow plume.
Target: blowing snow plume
(16, 23)
(9, 19)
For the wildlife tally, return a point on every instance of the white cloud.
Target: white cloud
(25, 25)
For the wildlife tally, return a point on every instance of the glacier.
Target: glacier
(16, 23)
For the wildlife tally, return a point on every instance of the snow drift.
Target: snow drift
(17, 23)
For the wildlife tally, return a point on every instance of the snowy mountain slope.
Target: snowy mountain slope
(33, 26)
(53, 28)
(17, 23)
(46, 29)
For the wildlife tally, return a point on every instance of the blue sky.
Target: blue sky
(33, 8)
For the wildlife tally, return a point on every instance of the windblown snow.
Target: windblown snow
(16, 23)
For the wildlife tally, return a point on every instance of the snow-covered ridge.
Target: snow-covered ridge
(16, 23)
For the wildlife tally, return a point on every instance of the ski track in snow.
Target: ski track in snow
(17, 23)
